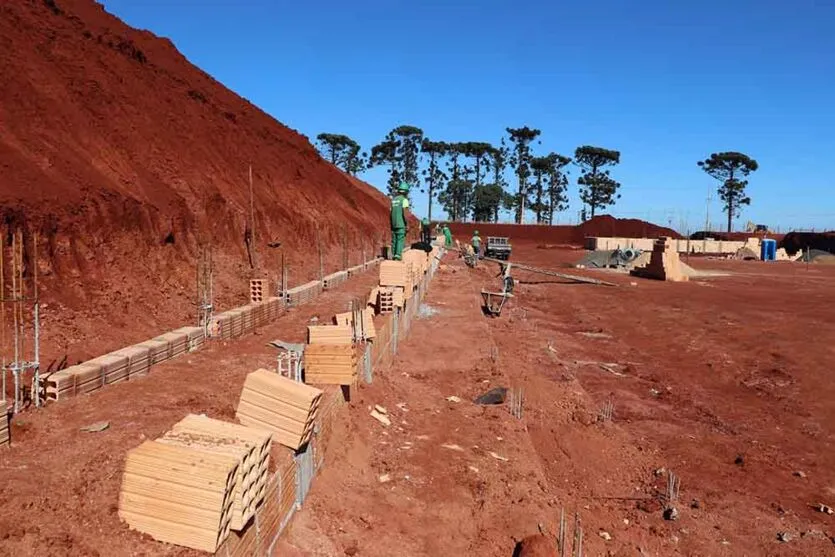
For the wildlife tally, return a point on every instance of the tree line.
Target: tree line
(469, 179)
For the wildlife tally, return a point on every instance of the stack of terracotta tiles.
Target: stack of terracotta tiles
(250, 446)
(179, 494)
(329, 356)
(280, 405)
(664, 263)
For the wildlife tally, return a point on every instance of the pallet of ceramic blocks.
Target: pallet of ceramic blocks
(330, 334)
(333, 280)
(179, 495)
(385, 298)
(259, 290)
(249, 445)
(139, 360)
(280, 405)
(330, 364)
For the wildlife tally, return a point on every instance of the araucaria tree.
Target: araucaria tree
(550, 182)
(521, 159)
(433, 174)
(400, 150)
(729, 168)
(597, 188)
(557, 185)
(342, 151)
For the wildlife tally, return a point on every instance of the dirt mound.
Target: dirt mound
(797, 241)
(124, 156)
(535, 546)
(602, 225)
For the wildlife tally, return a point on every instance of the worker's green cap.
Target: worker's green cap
(403, 186)
(476, 232)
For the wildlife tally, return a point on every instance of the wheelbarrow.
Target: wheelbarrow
(494, 301)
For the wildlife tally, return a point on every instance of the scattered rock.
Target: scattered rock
(498, 457)
(382, 418)
(799, 473)
(605, 535)
(495, 395)
(96, 427)
(453, 398)
(380, 409)
(821, 508)
(385, 478)
(785, 537)
(473, 469)
(660, 472)
(695, 504)
(351, 550)
(402, 406)
(670, 513)
(739, 460)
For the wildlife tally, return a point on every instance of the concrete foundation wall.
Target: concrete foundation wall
(681, 246)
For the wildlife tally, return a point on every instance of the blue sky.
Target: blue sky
(664, 82)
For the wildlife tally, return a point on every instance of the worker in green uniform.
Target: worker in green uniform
(447, 236)
(476, 242)
(399, 213)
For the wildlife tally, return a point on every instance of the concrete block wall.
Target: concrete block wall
(680, 245)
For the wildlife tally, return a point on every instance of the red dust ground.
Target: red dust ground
(723, 381)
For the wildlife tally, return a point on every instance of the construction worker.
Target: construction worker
(426, 233)
(447, 236)
(399, 218)
(476, 242)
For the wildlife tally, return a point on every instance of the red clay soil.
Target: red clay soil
(124, 156)
(602, 225)
(60, 486)
(722, 381)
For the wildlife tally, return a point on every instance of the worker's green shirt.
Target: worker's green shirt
(398, 212)
(476, 241)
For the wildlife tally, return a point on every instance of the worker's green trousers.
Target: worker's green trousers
(398, 241)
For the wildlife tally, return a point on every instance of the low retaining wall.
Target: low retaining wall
(120, 365)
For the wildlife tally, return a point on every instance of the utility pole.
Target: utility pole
(707, 220)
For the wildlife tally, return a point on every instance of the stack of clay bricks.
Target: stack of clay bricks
(329, 356)
(250, 446)
(334, 279)
(304, 293)
(179, 494)
(664, 263)
(280, 405)
(5, 438)
(259, 290)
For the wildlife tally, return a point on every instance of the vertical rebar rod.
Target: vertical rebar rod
(15, 371)
(36, 372)
(561, 539)
(3, 314)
